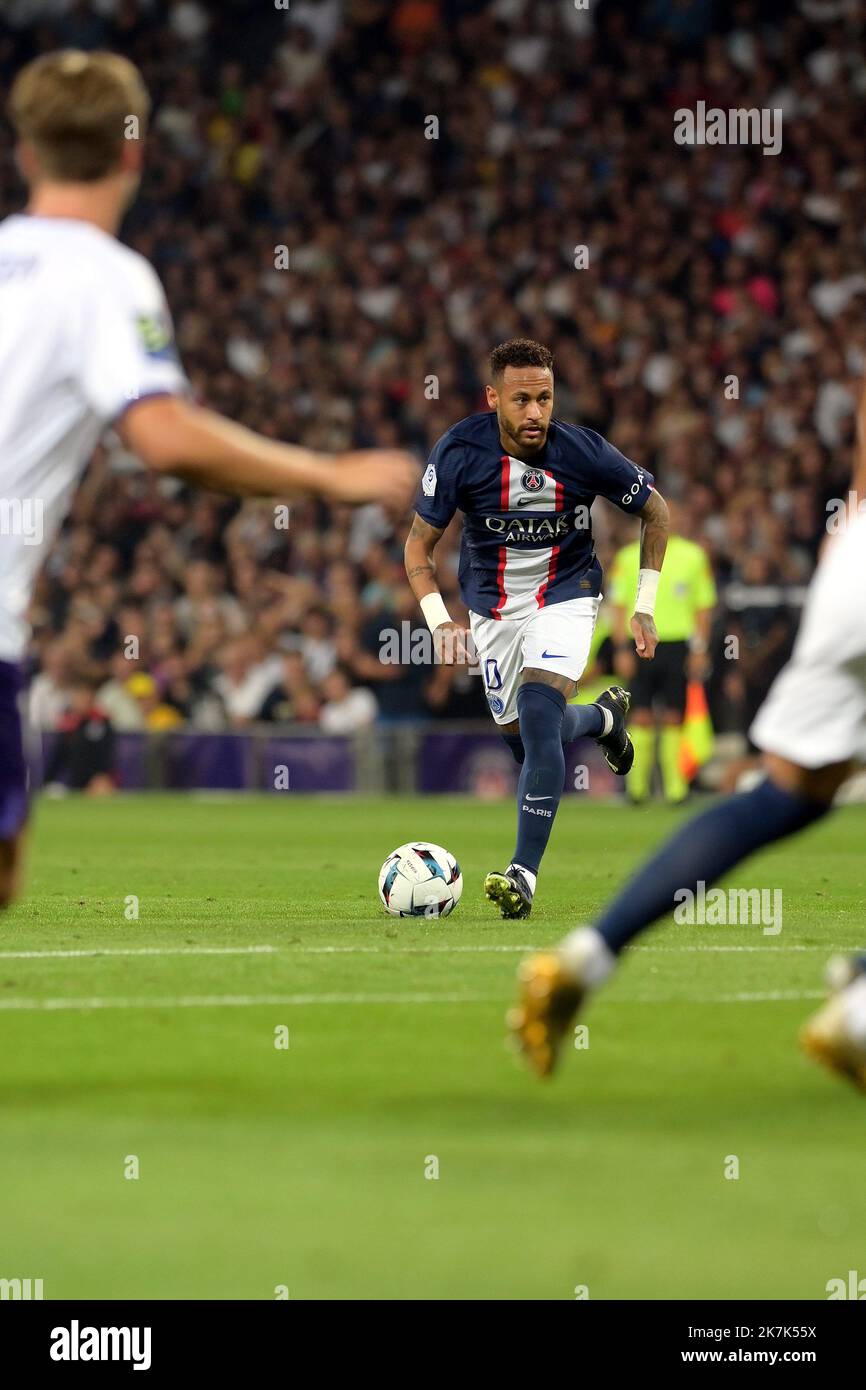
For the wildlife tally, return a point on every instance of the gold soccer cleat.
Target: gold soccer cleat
(547, 1002)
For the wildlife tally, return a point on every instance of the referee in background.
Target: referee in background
(683, 616)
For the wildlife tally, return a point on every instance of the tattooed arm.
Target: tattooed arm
(418, 556)
(654, 526)
(451, 638)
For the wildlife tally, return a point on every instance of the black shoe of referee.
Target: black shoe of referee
(615, 743)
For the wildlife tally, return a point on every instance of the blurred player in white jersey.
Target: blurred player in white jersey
(86, 341)
(812, 729)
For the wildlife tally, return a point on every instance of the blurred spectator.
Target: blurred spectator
(293, 699)
(246, 677)
(204, 597)
(155, 713)
(117, 699)
(317, 645)
(346, 710)
(50, 689)
(84, 752)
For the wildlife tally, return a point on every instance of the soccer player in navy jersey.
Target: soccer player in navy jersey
(531, 580)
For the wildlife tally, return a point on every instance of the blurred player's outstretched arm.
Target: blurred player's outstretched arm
(172, 435)
(71, 111)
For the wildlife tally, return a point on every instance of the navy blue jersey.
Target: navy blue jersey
(527, 532)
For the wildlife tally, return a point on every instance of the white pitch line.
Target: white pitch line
(108, 951)
(235, 1001)
(140, 951)
(399, 950)
(242, 1001)
(775, 996)
(537, 946)
(675, 950)
(771, 997)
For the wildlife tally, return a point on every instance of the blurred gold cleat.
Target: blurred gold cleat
(547, 1002)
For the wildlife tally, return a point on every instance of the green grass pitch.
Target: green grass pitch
(304, 1167)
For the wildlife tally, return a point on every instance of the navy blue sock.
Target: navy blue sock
(581, 721)
(702, 851)
(578, 721)
(540, 710)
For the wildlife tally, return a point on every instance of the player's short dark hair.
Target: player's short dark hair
(519, 352)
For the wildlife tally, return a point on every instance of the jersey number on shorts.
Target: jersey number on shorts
(492, 678)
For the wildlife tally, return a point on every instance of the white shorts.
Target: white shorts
(551, 639)
(815, 713)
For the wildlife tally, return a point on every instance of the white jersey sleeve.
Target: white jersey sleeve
(125, 340)
(84, 333)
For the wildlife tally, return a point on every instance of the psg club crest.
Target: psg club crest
(532, 480)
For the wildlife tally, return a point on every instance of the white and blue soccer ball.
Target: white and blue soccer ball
(420, 880)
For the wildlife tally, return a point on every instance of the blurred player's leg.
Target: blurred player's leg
(707, 847)
(701, 852)
(816, 711)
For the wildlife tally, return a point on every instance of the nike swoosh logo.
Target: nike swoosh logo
(538, 798)
(550, 656)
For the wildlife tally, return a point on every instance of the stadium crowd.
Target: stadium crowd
(349, 202)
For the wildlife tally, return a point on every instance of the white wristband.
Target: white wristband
(434, 610)
(647, 588)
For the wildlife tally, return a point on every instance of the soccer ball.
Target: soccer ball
(420, 880)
